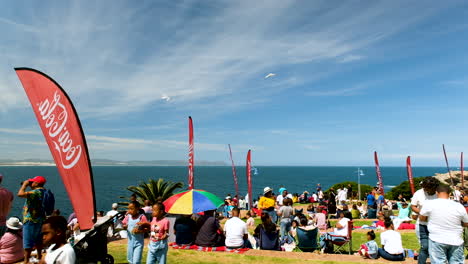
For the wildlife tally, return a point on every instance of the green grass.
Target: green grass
(119, 252)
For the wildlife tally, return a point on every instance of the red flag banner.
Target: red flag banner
(410, 173)
(379, 175)
(190, 155)
(448, 167)
(234, 174)
(249, 178)
(461, 172)
(64, 135)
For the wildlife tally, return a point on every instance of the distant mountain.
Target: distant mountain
(108, 162)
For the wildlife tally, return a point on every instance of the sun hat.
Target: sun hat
(14, 223)
(281, 190)
(266, 190)
(38, 179)
(115, 205)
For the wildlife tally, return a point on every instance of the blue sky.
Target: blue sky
(351, 77)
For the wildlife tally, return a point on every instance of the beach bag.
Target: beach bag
(48, 202)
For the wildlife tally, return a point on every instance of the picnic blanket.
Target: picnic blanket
(208, 249)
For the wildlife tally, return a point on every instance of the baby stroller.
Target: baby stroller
(92, 248)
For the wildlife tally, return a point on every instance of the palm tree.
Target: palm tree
(154, 190)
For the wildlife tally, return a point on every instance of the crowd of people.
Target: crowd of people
(439, 212)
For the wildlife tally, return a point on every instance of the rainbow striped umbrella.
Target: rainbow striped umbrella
(192, 202)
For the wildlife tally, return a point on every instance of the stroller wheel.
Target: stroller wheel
(108, 259)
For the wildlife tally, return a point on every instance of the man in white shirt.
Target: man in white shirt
(392, 247)
(54, 237)
(429, 186)
(242, 203)
(446, 220)
(235, 230)
(457, 194)
(283, 194)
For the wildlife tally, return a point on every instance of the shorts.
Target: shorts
(32, 234)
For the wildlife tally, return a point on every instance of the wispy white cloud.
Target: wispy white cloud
(339, 92)
(20, 131)
(195, 60)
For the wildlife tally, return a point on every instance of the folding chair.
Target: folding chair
(347, 240)
(269, 241)
(307, 239)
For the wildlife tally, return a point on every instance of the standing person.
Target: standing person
(134, 223)
(54, 236)
(235, 231)
(320, 195)
(247, 205)
(380, 201)
(157, 248)
(285, 212)
(445, 220)
(267, 203)
(350, 191)
(370, 200)
(429, 186)
(6, 200)
(11, 243)
(457, 194)
(392, 247)
(148, 208)
(33, 215)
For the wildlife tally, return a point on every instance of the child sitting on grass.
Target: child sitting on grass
(133, 222)
(370, 248)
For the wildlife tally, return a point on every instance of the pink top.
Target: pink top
(6, 199)
(159, 228)
(11, 248)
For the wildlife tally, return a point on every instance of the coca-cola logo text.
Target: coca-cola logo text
(55, 116)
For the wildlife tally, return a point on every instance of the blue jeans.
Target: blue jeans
(441, 253)
(424, 242)
(157, 255)
(285, 226)
(384, 254)
(134, 250)
(32, 234)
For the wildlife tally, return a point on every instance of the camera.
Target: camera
(29, 182)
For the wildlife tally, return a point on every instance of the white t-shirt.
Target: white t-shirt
(445, 218)
(391, 240)
(342, 231)
(280, 198)
(235, 230)
(320, 194)
(419, 198)
(62, 255)
(111, 213)
(250, 221)
(315, 197)
(456, 195)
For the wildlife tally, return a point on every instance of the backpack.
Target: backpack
(48, 202)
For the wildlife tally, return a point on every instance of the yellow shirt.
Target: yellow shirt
(266, 202)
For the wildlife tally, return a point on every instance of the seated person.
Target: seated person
(392, 247)
(250, 221)
(362, 209)
(267, 225)
(339, 234)
(235, 231)
(210, 233)
(355, 212)
(403, 210)
(11, 243)
(370, 248)
(185, 230)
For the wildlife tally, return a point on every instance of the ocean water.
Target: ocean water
(111, 181)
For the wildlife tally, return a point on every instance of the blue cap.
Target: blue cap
(281, 190)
